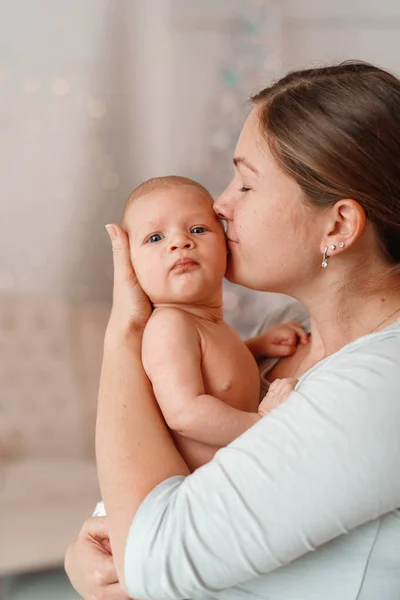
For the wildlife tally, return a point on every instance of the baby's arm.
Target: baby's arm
(172, 360)
(280, 340)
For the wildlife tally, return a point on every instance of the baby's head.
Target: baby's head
(177, 243)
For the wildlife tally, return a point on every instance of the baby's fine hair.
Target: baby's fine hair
(164, 183)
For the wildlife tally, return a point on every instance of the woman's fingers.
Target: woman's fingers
(95, 528)
(115, 592)
(123, 270)
(131, 307)
(90, 566)
(106, 573)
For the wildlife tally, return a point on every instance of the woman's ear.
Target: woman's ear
(345, 222)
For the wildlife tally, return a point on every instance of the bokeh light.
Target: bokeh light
(96, 108)
(60, 86)
(32, 84)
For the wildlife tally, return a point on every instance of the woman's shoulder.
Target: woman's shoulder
(373, 346)
(368, 366)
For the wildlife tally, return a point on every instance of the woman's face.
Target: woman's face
(274, 237)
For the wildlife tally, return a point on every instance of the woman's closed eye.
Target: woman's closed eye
(154, 237)
(244, 189)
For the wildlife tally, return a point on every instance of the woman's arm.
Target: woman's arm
(134, 449)
(131, 437)
(321, 464)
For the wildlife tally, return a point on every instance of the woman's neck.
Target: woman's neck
(335, 322)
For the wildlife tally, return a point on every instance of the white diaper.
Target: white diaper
(99, 510)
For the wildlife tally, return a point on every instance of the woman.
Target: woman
(313, 211)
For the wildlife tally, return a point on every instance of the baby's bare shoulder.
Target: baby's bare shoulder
(167, 334)
(167, 322)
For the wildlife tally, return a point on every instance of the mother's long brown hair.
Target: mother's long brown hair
(336, 131)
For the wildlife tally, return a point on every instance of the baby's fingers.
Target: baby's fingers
(290, 339)
(283, 349)
(283, 386)
(278, 391)
(290, 382)
(298, 331)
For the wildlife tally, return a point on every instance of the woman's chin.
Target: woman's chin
(241, 277)
(231, 274)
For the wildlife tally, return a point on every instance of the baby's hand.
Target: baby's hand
(278, 391)
(282, 339)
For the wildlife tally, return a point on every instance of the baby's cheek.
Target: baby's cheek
(141, 272)
(148, 283)
(133, 257)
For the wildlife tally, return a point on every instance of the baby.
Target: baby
(204, 377)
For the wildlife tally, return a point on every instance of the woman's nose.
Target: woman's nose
(222, 206)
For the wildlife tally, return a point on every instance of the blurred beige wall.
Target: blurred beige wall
(97, 95)
(321, 31)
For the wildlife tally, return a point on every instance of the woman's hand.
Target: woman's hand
(89, 563)
(131, 307)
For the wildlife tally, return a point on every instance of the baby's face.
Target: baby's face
(177, 244)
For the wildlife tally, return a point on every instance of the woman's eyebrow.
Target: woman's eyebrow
(241, 160)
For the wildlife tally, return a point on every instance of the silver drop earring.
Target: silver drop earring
(325, 257)
(324, 263)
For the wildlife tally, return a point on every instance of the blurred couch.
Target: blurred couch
(49, 371)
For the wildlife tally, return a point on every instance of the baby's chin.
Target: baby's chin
(189, 289)
(176, 299)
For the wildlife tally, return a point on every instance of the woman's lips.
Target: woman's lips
(184, 263)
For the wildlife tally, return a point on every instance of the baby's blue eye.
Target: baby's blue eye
(156, 237)
(198, 230)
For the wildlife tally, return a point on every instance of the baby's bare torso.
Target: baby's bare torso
(230, 373)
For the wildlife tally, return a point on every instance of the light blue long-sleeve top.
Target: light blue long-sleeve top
(303, 506)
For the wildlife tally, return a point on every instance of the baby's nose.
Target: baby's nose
(181, 243)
